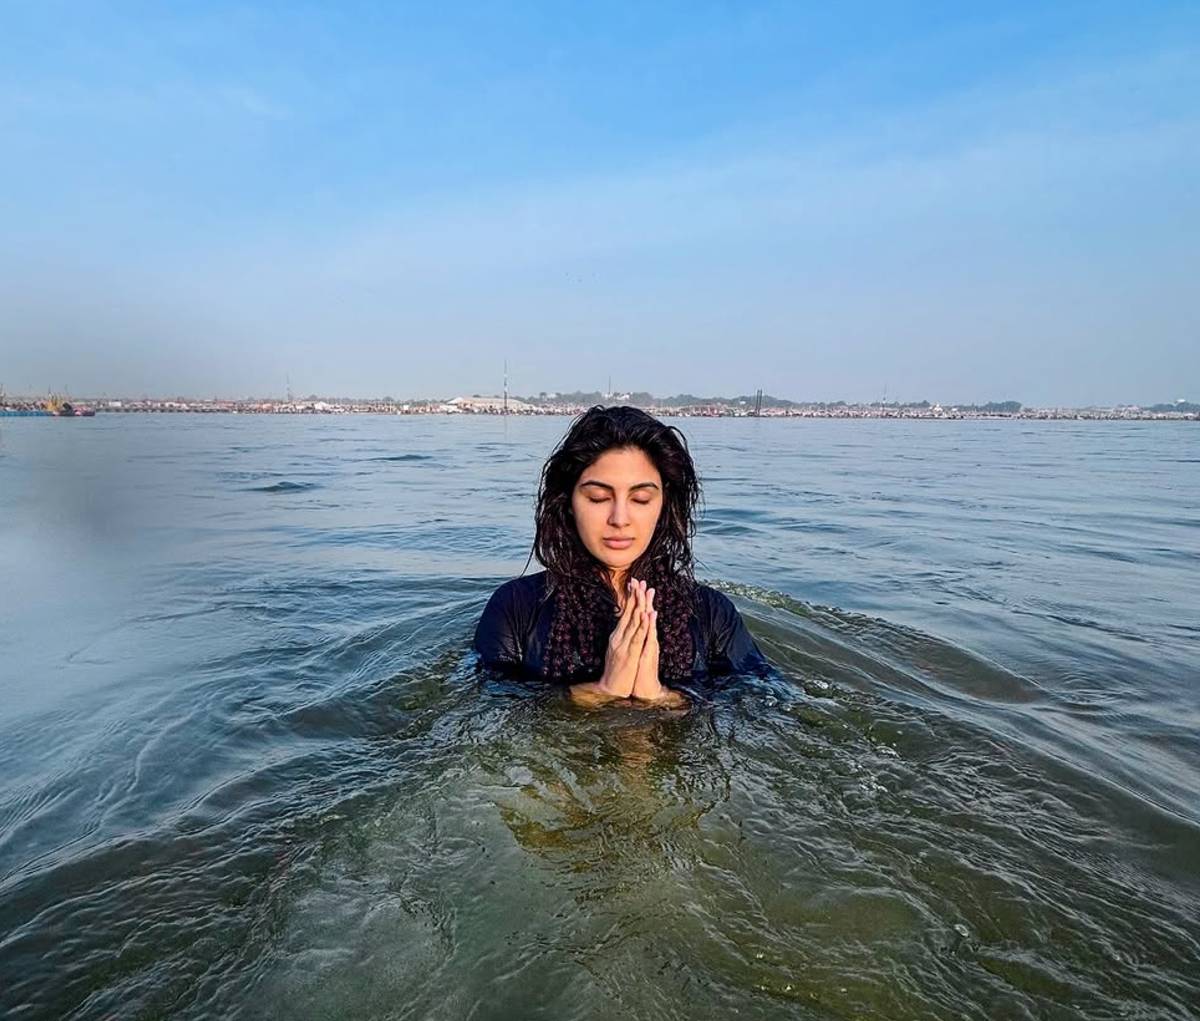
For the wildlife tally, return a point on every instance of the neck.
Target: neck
(617, 577)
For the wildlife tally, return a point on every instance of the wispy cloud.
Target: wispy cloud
(1007, 164)
(254, 103)
(59, 98)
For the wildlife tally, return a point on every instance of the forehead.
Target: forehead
(626, 466)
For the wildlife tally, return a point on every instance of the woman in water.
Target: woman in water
(617, 614)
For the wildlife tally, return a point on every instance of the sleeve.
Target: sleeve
(497, 635)
(731, 648)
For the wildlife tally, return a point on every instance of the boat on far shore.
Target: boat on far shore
(52, 407)
(68, 410)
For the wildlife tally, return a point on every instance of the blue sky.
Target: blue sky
(953, 201)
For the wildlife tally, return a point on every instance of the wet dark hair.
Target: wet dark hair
(586, 604)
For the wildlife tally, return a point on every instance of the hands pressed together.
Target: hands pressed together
(631, 660)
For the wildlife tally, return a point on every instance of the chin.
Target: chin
(618, 560)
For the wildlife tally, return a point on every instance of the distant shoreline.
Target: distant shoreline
(31, 408)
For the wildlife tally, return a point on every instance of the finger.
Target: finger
(651, 647)
(637, 635)
(643, 610)
(649, 654)
(619, 632)
(633, 602)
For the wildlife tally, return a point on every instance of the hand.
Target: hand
(621, 659)
(646, 685)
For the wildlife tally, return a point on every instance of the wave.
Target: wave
(285, 487)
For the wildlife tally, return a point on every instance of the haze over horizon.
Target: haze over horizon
(992, 203)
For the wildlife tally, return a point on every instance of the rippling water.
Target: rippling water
(248, 769)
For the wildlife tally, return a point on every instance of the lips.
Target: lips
(618, 543)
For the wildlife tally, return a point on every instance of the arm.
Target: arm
(498, 634)
(731, 647)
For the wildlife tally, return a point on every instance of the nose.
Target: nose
(618, 515)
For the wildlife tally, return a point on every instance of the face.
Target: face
(616, 504)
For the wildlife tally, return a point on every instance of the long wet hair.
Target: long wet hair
(585, 609)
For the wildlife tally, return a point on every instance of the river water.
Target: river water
(248, 768)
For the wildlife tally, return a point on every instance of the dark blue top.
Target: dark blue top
(514, 631)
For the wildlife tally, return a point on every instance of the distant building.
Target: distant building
(490, 405)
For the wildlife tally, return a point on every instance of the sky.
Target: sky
(953, 202)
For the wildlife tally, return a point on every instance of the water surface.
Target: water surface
(248, 768)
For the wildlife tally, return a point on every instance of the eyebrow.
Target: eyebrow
(605, 485)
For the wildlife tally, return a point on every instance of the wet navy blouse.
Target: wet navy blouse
(514, 631)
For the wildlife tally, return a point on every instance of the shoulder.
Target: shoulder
(518, 599)
(713, 606)
(506, 624)
(527, 590)
(716, 616)
(731, 646)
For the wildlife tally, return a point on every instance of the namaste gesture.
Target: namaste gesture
(631, 659)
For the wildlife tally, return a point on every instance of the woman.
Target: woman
(617, 613)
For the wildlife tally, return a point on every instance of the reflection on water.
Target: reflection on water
(249, 768)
